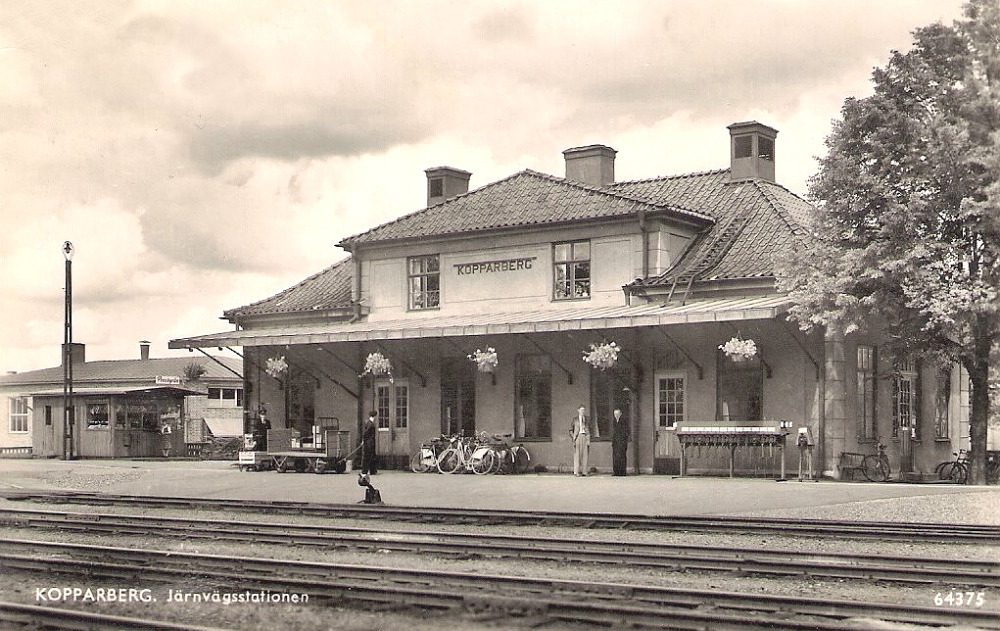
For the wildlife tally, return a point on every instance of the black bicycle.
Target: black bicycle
(875, 467)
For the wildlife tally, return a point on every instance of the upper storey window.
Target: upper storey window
(424, 282)
(571, 261)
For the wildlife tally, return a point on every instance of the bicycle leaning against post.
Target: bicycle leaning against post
(875, 467)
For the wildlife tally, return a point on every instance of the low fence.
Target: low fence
(15, 452)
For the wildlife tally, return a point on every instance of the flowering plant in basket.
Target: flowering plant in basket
(377, 365)
(276, 366)
(739, 350)
(603, 355)
(486, 360)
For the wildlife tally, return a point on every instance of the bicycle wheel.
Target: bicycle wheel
(522, 460)
(418, 463)
(945, 470)
(959, 473)
(497, 460)
(875, 469)
(449, 461)
(482, 461)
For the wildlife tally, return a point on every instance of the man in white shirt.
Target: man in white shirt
(581, 431)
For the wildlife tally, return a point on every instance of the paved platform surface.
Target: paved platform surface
(642, 494)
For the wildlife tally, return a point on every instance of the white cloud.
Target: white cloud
(207, 155)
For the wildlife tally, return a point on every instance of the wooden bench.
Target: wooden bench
(851, 462)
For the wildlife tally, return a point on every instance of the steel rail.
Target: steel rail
(34, 617)
(771, 562)
(906, 531)
(571, 601)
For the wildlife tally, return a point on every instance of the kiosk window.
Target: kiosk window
(98, 416)
(18, 415)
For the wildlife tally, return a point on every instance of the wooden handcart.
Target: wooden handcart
(331, 455)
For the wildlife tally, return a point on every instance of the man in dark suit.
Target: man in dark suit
(581, 430)
(368, 444)
(620, 434)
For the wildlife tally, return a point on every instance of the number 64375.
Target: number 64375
(960, 599)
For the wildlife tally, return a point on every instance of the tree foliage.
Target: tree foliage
(907, 229)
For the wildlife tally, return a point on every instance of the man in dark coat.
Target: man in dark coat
(368, 444)
(620, 434)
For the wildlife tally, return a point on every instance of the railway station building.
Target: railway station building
(676, 272)
(121, 406)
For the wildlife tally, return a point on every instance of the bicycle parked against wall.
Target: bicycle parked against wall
(426, 458)
(956, 470)
(875, 467)
(481, 453)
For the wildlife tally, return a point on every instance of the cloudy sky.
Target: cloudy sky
(204, 155)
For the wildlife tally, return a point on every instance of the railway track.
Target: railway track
(14, 616)
(614, 604)
(884, 531)
(757, 561)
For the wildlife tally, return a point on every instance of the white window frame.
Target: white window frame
(15, 413)
(670, 374)
(387, 407)
(222, 402)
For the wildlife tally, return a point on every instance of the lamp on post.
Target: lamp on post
(68, 415)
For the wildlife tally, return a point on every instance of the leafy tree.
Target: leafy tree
(907, 228)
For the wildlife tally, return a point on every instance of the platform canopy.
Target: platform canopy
(500, 323)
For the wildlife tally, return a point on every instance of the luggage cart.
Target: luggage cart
(255, 461)
(329, 454)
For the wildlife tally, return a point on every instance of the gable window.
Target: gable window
(225, 397)
(571, 261)
(18, 407)
(533, 397)
(904, 399)
(866, 392)
(424, 282)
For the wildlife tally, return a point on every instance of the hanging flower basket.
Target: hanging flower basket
(276, 366)
(603, 355)
(486, 361)
(739, 350)
(377, 365)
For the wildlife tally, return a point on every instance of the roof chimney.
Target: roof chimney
(751, 151)
(144, 349)
(593, 164)
(76, 353)
(443, 183)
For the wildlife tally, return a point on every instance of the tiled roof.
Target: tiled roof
(128, 370)
(323, 291)
(754, 220)
(527, 198)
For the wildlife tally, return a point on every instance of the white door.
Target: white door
(670, 401)
(392, 402)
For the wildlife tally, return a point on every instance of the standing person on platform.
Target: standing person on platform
(581, 431)
(620, 435)
(368, 444)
